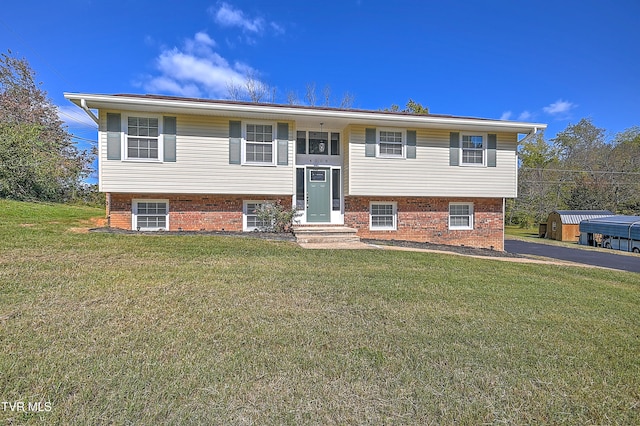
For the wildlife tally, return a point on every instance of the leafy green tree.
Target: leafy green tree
(625, 160)
(590, 176)
(412, 107)
(538, 189)
(38, 160)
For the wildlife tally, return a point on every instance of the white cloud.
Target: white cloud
(525, 116)
(228, 16)
(204, 38)
(195, 70)
(559, 107)
(506, 115)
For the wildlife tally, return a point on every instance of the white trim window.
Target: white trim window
(150, 215)
(259, 143)
(391, 143)
(142, 138)
(460, 216)
(383, 216)
(473, 147)
(250, 220)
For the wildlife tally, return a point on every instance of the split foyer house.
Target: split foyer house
(169, 163)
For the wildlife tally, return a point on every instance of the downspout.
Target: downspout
(83, 105)
(533, 132)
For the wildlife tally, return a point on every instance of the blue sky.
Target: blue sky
(553, 62)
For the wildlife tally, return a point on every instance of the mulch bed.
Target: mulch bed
(443, 247)
(282, 236)
(287, 236)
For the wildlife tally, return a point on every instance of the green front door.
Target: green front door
(318, 195)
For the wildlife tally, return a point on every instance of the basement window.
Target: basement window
(382, 216)
(150, 215)
(460, 216)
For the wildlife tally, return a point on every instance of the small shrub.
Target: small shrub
(277, 217)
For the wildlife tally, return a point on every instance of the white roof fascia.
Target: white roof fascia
(284, 112)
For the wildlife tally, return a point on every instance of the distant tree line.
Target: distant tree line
(38, 159)
(254, 90)
(579, 169)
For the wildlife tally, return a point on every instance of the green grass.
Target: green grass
(517, 231)
(130, 329)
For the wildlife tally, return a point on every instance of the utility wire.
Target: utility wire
(50, 67)
(35, 51)
(83, 139)
(579, 171)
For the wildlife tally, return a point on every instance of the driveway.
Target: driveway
(588, 257)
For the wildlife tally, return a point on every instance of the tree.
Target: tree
(310, 95)
(625, 159)
(412, 107)
(38, 160)
(580, 170)
(538, 185)
(347, 101)
(256, 89)
(586, 159)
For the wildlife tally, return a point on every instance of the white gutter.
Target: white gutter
(357, 116)
(83, 105)
(529, 135)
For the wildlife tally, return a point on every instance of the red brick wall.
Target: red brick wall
(427, 220)
(190, 212)
(419, 219)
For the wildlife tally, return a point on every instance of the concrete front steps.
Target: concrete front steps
(309, 235)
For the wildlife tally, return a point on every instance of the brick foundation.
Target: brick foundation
(427, 220)
(419, 219)
(190, 212)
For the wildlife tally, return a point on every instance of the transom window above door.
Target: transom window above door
(317, 143)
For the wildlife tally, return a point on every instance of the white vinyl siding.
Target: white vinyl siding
(202, 168)
(429, 174)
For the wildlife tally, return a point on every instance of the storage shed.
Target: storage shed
(564, 225)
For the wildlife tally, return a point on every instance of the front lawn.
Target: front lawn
(135, 329)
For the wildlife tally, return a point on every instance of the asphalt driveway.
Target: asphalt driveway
(588, 257)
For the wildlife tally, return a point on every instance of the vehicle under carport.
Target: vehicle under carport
(613, 232)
